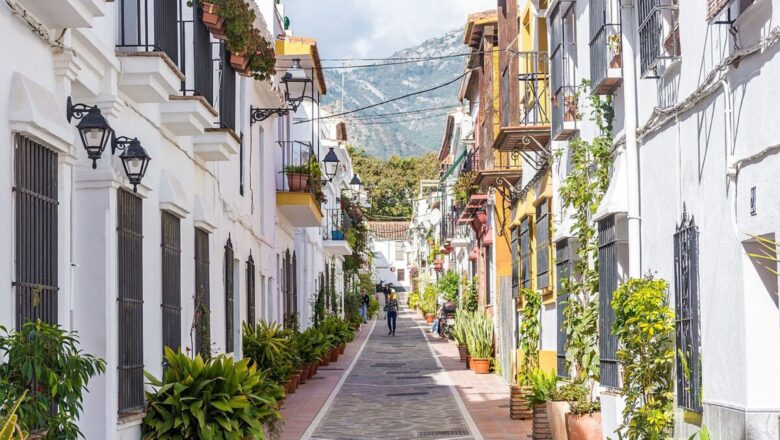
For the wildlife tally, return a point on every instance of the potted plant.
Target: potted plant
(542, 385)
(460, 332)
(570, 107)
(211, 17)
(614, 44)
(583, 422)
(297, 177)
(559, 406)
(337, 235)
(528, 340)
(239, 61)
(480, 342)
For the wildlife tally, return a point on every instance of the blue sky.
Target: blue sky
(376, 28)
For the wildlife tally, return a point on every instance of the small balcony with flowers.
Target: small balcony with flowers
(299, 192)
(563, 60)
(606, 62)
(334, 232)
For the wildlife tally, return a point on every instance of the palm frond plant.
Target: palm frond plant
(267, 346)
(480, 338)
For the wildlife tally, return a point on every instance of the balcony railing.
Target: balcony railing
(227, 91)
(149, 26)
(605, 46)
(534, 88)
(297, 160)
(565, 112)
(334, 227)
(659, 35)
(500, 160)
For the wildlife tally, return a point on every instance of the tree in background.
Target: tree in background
(393, 182)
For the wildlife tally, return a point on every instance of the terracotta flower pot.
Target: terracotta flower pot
(616, 62)
(583, 426)
(556, 412)
(334, 355)
(219, 33)
(468, 362)
(302, 376)
(238, 61)
(316, 367)
(540, 425)
(211, 16)
(519, 408)
(310, 369)
(463, 352)
(343, 348)
(297, 182)
(429, 318)
(480, 365)
(325, 360)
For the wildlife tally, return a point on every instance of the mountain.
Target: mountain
(402, 135)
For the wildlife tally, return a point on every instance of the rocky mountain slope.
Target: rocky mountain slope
(403, 135)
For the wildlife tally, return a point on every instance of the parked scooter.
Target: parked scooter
(447, 319)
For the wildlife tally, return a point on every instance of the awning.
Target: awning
(454, 165)
(615, 200)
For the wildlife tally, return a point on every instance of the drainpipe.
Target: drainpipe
(632, 149)
(731, 165)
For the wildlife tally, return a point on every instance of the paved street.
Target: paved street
(395, 391)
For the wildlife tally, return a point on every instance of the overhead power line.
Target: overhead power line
(408, 95)
(398, 121)
(389, 61)
(407, 112)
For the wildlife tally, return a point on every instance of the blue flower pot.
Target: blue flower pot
(337, 235)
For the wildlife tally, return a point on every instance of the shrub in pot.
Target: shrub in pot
(558, 406)
(44, 367)
(583, 422)
(480, 342)
(297, 177)
(218, 398)
(542, 387)
(267, 346)
(460, 332)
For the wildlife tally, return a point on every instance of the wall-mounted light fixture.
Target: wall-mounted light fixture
(331, 162)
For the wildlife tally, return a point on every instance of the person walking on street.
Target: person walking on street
(365, 300)
(391, 307)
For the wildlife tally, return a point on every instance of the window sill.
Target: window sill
(130, 419)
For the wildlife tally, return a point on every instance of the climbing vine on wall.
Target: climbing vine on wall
(581, 192)
(528, 334)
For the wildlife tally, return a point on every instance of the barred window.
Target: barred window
(515, 263)
(250, 291)
(130, 301)
(608, 280)
(229, 302)
(563, 267)
(171, 280)
(401, 275)
(525, 253)
(227, 91)
(543, 245)
(659, 34)
(488, 270)
(35, 214)
(202, 294)
(686, 304)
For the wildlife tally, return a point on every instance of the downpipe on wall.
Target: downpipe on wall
(632, 155)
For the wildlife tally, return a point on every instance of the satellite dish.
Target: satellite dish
(434, 217)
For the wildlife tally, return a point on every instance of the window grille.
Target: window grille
(543, 245)
(202, 54)
(563, 60)
(515, 263)
(229, 302)
(130, 301)
(488, 270)
(525, 253)
(202, 293)
(35, 214)
(608, 280)
(294, 280)
(250, 291)
(686, 304)
(227, 91)
(148, 28)
(171, 280)
(659, 34)
(563, 268)
(605, 35)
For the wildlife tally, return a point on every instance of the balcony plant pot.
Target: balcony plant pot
(480, 365)
(297, 182)
(540, 425)
(569, 108)
(239, 61)
(519, 408)
(556, 413)
(429, 318)
(463, 352)
(219, 33)
(337, 235)
(583, 426)
(616, 62)
(211, 17)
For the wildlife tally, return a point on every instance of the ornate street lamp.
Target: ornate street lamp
(134, 158)
(94, 130)
(295, 83)
(331, 162)
(355, 184)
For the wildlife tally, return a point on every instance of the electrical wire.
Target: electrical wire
(408, 95)
(391, 63)
(398, 121)
(407, 112)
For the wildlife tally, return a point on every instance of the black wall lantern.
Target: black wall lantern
(331, 162)
(134, 158)
(295, 83)
(95, 133)
(356, 185)
(94, 130)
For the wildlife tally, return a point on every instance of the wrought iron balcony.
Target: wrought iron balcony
(298, 184)
(659, 35)
(334, 226)
(565, 113)
(498, 167)
(529, 129)
(606, 63)
(563, 61)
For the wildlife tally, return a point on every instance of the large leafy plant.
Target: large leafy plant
(216, 399)
(428, 300)
(45, 368)
(448, 285)
(542, 386)
(528, 333)
(267, 346)
(644, 326)
(479, 338)
(470, 300)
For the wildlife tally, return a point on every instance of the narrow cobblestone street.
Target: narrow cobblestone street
(396, 390)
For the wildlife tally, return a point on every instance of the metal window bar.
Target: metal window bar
(515, 246)
(534, 88)
(525, 253)
(563, 60)
(229, 291)
(563, 268)
(659, 37)
(227, 91)
(543, 245)
(488, 269)
(686, 301)
(202, 343)
(250, 291)
(608, 280)
(297, 159)
(130, 302)
(294, 278)
(203, 57)
(605, 25)
(36, 233)
(171, 280)
(149, 26)
(334, 225)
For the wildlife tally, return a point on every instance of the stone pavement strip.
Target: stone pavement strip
(396, 390)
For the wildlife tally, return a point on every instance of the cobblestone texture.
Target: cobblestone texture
(395, 391)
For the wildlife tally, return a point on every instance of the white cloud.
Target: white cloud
(377, 28)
